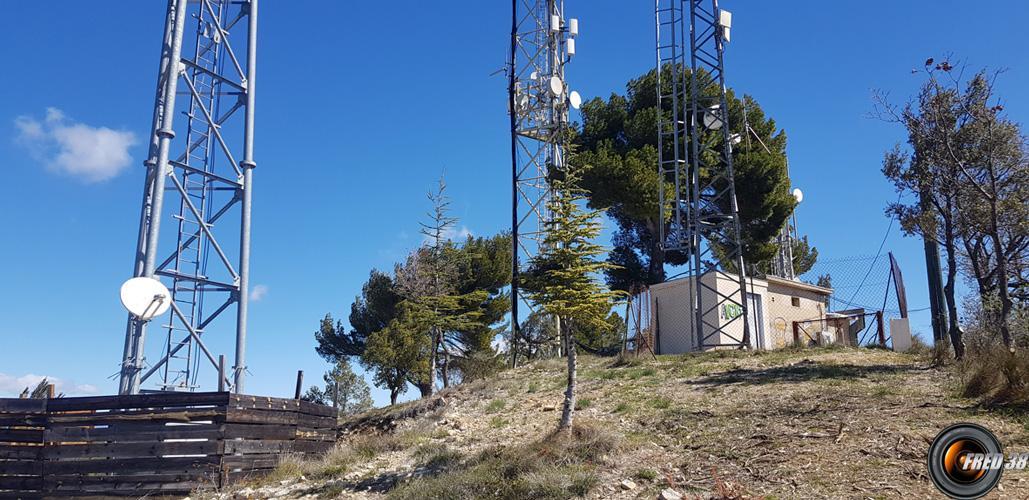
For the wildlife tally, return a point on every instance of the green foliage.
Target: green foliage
(617, 155)
(561, 278)
(371, 311)
(604, 340)
(399, 352)
(352, 392)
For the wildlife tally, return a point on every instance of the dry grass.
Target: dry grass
(997, 377)
(561, 465)
(814, 423)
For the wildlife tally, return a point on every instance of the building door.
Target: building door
(756, 321)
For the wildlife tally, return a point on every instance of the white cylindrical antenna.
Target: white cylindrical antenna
(573, 26)
(571, 47)
(555, 23)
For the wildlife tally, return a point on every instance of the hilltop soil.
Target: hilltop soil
(834, 423)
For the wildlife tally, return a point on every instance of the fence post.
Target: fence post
(300, 383)
(221, 373)
(879, 328)
(796, 334)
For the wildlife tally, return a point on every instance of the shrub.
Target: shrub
(495, 405)
(995, 375)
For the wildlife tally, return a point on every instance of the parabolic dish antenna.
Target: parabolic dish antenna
(145, 298)
(556, 86)
(575, 99)
(798, 195)
(711, 119)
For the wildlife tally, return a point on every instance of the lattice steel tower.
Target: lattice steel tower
(199, 174)
(702, 205)
(541, 44)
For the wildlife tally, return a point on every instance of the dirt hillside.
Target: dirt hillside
(835, 423)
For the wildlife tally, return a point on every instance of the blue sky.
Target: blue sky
(360, 108)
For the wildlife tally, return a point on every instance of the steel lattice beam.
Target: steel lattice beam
(199, 176)
(699, 199)
(539, 119)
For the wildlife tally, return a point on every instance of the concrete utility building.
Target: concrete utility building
(774, 304)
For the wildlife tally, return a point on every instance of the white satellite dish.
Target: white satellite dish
(575, 99)
(145, 298)
(534, 76)
(735, 139)
(711, 119)
(798, 195)
(556, 86)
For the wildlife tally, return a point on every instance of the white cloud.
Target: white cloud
(92, 154)
(11, 386)
(258, 292)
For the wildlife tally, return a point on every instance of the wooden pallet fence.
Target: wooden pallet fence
(151, 444)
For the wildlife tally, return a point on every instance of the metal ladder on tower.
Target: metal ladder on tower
(190, 262)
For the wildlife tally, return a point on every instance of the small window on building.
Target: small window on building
(795, 301)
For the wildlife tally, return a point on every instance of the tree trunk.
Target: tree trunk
(424, 388)
(569, 405)
(431, 386)
(954, 329)
(1002, 270)
(446, 369)
(393, 393)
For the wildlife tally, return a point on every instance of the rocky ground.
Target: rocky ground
(837, 423)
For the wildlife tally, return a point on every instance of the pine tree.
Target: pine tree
(563, 277)
(344, 390)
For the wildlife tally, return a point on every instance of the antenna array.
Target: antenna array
(542, 42)
(699, 199)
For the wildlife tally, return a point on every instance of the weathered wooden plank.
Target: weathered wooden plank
(258, 431)
(150, 416)
(129, 450)
(209, 476)
(21, 483)
(251, 416)
(21, 435)
(263, 402)
(251, 462)
(141, 490)
(265, 446)
(22, 420)
(139, 432)
(20, 467)
(317, 409)
(316, 422)
(316, 434)
(20, 453)
(162, 400)
(18, 405)
(129, 465)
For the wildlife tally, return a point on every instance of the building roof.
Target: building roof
(821, 290)
(799, 284)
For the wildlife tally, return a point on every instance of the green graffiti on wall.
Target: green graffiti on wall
(731, 311)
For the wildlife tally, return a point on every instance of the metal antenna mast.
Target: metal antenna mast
(704, 211)
(538, 99)
(199, 177)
